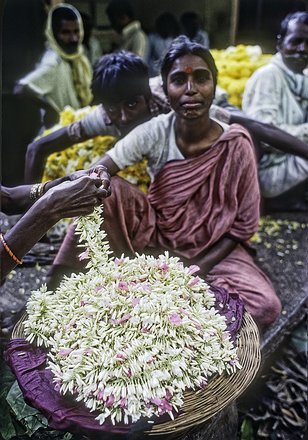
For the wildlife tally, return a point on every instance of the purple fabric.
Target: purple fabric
(232, 307)
(29, 366)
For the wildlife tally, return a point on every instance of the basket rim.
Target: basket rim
(201, 405)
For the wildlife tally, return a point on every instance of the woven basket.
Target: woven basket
(200, 406)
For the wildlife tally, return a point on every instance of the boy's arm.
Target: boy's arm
(39, 150)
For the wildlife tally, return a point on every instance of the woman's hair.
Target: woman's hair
(59, 14)
(120, 76)
(183, 46)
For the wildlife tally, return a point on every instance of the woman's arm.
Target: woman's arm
(221, 249)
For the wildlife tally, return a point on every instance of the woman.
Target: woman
(203, 203)
(47, 203)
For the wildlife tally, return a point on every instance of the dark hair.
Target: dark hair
(300, 16)
(119, 76)
(59, 14)
(118, 8)
(166, 25)
(183, 46)
(191, 23)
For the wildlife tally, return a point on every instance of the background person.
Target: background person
(46, 204)
(91, 44)
(277, 94)
(191, 24)
(63, 76)
(166, 29)
(122, 19)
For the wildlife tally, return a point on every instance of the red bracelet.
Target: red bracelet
(8, 250)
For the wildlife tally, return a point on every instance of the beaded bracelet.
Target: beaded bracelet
(8, 250)
(34, 191)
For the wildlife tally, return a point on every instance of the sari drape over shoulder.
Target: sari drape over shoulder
(200, 199)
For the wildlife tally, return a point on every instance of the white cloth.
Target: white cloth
(53, 80)
(134, 39)
(62, 79)
(276, 95)
(154, 140)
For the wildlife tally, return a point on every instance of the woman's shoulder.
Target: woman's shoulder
(158, 124)
(238, 138)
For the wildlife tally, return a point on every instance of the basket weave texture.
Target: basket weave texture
(201, 405)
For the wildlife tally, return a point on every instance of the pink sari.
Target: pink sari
(191, 204)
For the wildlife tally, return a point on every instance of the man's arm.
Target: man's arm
(271, 135)
(262, 132)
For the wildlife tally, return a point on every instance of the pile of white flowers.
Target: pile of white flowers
(131, 335)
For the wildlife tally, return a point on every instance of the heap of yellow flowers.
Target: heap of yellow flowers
(235, 65)
(84, 154)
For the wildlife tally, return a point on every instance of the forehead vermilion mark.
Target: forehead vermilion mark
(188, 70)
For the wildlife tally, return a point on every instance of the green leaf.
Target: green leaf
(30, 417)
(7, 427)
(246, 430)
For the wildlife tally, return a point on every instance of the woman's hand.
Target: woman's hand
(77, 196)
(98, 172)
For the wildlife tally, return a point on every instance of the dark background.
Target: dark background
(22, 44)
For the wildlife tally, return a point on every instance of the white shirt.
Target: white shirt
(153, 140)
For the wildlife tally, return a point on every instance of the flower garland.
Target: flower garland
(131, 335)
(235, 65)
(84, 154)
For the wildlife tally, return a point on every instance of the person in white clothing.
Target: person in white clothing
(63, 76)
(277, 93)
(122, 19)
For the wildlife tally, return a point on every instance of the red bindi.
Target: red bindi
(188, 69)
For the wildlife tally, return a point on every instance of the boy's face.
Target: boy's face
(129, 113)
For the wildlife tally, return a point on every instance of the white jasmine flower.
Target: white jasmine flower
(131, 335)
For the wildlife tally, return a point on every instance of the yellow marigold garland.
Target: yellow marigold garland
(235, 65)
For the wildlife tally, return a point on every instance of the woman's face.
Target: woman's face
(190, 87)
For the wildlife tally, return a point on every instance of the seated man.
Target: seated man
(63, 76)
(277, 93)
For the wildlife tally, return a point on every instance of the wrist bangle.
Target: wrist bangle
(43, 186)
(8, 250)
(37, 190)
(34, 191)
